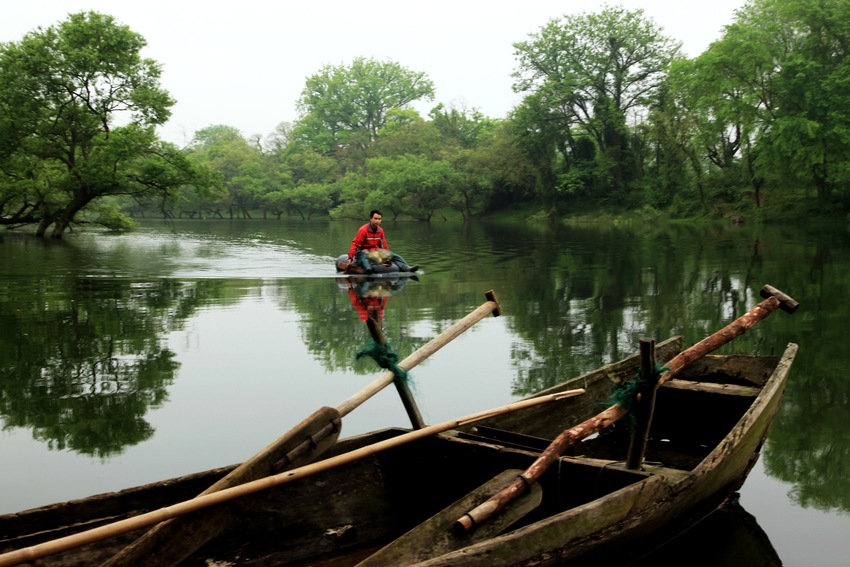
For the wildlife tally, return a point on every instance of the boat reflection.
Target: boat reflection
(729, 536)
(369, 295)
(369, 298)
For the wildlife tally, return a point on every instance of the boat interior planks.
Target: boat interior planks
(702, 442)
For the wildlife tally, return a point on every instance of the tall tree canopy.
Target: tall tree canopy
(342, 105)
(808, 139)
(593, 72)
(78, 112)
(768, 101)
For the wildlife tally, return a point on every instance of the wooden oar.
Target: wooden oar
(170, 542)
(774, 300)
(173, 541)
(441, 340)
(227, 494)
(413, 413)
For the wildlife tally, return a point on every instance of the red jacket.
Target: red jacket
(365, 239)
(367, 305)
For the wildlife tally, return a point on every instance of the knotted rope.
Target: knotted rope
(385, 357)
(626, 396)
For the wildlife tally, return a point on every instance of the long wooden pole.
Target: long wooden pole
(774, 300)
(407, 399)
(645, 405)
(432, 346)
(174, 540)
(204, 501)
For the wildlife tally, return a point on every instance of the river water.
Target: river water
(126, 359)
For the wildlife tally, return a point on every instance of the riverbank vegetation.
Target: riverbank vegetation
(613, 120)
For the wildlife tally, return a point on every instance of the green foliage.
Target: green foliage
(585, 74)
(810, 137)
(308, 166)
(612, 117)
(109, 215)
(311, 198)
(241, 169)
(765, 107)
(64, 148)
(466, 128)
(413, 185)
(415, 136)
(348, 105)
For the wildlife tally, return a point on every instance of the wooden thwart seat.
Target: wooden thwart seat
(712, 388)
(647, 469)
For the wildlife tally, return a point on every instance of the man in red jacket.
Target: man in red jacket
(371, 236)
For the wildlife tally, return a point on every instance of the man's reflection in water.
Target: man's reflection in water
(369, 297)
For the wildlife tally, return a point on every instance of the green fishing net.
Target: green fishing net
(385, 357)
(626, 395)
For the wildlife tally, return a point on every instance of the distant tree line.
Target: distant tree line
(613, 118)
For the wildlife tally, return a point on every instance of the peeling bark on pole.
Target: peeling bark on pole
(774, 300)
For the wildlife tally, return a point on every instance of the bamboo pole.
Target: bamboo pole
(211, 499)
(774, 300)
(407, 399)
(432, 346)
(175, 540)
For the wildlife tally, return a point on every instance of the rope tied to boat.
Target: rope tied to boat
(385, 357)
(626, 395)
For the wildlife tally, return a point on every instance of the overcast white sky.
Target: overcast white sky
(244, 63)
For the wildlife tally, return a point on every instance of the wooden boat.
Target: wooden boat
(398, 506)
(379, 271)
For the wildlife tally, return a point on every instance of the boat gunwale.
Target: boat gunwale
(677, 490)
(768, 393)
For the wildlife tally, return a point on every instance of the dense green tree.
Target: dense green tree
(409, 185)
(593, 73)
(809, 140)
(539, 135)
(308, 199)
(308, 166)
(464, 141)
(213, 138)
(346, 105)
(299, 182)
(475, 185)
(730, 93)
(406, 132)
(356, 197)
(509, 170)
(78, 111)
(663, 148)
(240, 166)
(412, 185)
(764, 106)
(465, 127)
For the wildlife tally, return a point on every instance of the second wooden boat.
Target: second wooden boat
(398, 506)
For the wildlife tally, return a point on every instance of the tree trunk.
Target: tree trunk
(42, 226)
(64, 219)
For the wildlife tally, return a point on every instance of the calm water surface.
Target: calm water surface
(127, 359)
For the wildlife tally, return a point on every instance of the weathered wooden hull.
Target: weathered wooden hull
(708, 428)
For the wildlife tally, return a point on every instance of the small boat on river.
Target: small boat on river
(380, 270)
(414, 497)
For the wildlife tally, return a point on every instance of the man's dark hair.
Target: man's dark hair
(374, 212)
